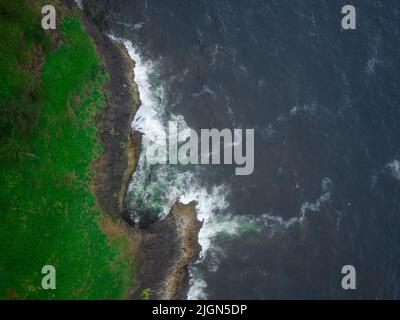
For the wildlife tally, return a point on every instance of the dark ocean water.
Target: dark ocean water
(325, 105)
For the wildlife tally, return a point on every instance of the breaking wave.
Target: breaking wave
(155, 188)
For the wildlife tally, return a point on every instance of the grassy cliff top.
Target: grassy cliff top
(51, 95)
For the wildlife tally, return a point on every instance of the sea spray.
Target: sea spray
(155, 188)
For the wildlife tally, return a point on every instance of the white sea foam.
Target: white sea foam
(309, 109)
(158, 187)
(135, 26)
(147, 119)
(394, 168)
(236, 225)
(371, 65)
(208, 205)
(79, 4)
(306, 207)
(197, 288)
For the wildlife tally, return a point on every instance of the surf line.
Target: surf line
(182, 147)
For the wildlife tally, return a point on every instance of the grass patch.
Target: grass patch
(49, 139)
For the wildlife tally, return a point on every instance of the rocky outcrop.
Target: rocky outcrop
(168, 247)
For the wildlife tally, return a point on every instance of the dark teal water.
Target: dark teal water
(325, 104)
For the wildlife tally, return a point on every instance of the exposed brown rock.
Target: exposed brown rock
(169, 247)
(121, 153)
(135, 142)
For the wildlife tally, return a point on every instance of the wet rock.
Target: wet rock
(168, 247)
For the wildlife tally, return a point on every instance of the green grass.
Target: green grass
(20, 37)
(49, 139)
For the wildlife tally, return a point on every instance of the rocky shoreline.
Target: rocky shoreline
(166, 249)
(170, 245)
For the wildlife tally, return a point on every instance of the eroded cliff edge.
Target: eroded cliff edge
(121, 147)
(166, 249)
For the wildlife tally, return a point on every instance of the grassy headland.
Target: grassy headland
(52, 94)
